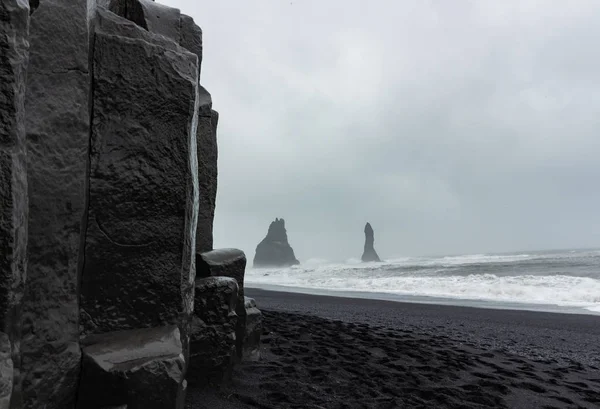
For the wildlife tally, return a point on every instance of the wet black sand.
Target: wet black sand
(330, 352)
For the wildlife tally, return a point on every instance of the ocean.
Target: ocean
(565, 281)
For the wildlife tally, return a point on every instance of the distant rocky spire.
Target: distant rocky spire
(369, 253)
(274, 250)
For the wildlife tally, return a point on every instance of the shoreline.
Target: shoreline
(422, 299)
(333, 352)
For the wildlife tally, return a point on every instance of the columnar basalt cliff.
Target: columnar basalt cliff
(369, 253)
(108, 178)
(274, 250)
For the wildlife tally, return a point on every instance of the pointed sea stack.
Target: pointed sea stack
(274, 250)
(369, 254)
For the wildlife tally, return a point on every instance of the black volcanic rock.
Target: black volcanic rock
(206, 136)
(191, 38)
(57, 125)
(14, 27)
(252, 330)
(152, 16)
(108, 182)
(222, 263)
(141, 368)
(143, 191)
(213, 332)
(369, 253)
(274, 250)
(227, 263)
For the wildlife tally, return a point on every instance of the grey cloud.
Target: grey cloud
(453, 127)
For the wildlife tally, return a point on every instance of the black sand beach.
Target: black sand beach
(330, 352)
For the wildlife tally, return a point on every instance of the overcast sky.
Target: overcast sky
(452, 126)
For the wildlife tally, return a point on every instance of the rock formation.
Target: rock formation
(143, 180)
(369, 253)
(213, 332)
(252, 331)
(108, 168)
(14, 34)
(57, 124)
(141, 368)
(229, 263)
(274, 250)
(207, 171)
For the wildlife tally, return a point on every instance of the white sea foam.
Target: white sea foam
(389, 278)
(483, 258)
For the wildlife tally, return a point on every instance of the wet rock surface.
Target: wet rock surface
(142, 369)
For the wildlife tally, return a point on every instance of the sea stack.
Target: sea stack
(369, 254)
(274, 250)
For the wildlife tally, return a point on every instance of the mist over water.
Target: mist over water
(567, 278)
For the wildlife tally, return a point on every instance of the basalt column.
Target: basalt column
(57, 126)
(143, 200)
(14, 22)
(207, 171)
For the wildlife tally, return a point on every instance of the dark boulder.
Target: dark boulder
(57, 126)
(369, 253)
(142, 369)
(253, 330)
(143, 192)
(213, 332)
(14, 28)
(274, 250)
(222, 263)
(227, 263)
